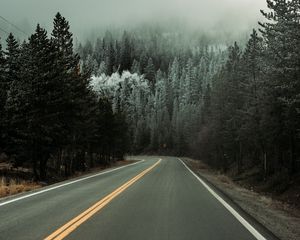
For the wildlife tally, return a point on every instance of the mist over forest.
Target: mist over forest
(213, 80)
(227, 18)
(189, 107)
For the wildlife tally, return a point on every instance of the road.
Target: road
(152, 199)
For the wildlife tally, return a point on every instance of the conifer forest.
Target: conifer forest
(68, 105)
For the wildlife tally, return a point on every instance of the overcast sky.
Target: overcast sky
(84, 15)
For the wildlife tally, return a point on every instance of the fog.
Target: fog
(90, 15)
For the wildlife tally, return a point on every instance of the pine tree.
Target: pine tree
(150, 73)
(3, 83)
(86, 50)
(253, 88)
(125, 53)
(34, 103)
(97, 51)
(281, 34)
(90, 64)
(75, 87)
(206, 109)
(117, 56)
(109, 54)
(13, 82)
(12, 59)
(136, 67)
(3, 96)
(42, 118)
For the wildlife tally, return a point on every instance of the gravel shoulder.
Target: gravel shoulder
(280, 218)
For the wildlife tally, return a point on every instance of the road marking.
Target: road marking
(243, 221)
(66, 184)
(69, 227)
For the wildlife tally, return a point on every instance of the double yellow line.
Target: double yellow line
(69, 227)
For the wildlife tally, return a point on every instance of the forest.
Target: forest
(154, 90)
(50, 117)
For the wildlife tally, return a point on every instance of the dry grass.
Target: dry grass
(224, 179)
(196, 164)
(10, 187)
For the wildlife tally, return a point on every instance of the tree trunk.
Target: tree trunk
(35, 172)
(265, 166)
(43, 167)
(91, 159)
(293, 165)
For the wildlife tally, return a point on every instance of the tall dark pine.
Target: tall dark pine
(62, 41)
(233, 105)
(226, 104)
(150, 71)
(126, 53)
(253, 88)
(3, 83)
(46, 97)
(104, 130)
(281, 34)
(111, 60)
(117, 55)
(3, 96)
(32, 105)
(12, 58)
(12, 84)
(77, 92)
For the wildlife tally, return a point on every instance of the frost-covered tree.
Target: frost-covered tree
(136, 67)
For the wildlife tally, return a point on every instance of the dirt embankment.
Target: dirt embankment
(279, 217)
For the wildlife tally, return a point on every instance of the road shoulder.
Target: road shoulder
(73, 179)
(276, 217)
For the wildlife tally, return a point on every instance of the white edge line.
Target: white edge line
(246, 224)
(66, 184)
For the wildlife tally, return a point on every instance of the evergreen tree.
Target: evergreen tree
(63, 43)
(125, 53)
(150, 73)
(3, 95)
(253, 88)
(281, 34)
(13, 82)
(136, 67)
(75, 87)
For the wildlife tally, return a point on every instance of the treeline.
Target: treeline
(163, 115)
(161, 89)
(155, 91)
(251, 112)
(50, 117)
(235, 107)
(141, 51)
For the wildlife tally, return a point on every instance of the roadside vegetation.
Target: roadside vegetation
(12, 186)
(236, 108)
(155, 89)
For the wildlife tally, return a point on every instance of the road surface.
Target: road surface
(153, 199)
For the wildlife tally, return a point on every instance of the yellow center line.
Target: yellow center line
(70, 226)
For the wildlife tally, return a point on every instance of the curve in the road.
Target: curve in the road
(69, 227)
(15, 199)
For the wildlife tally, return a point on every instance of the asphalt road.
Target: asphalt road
(167, 202)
